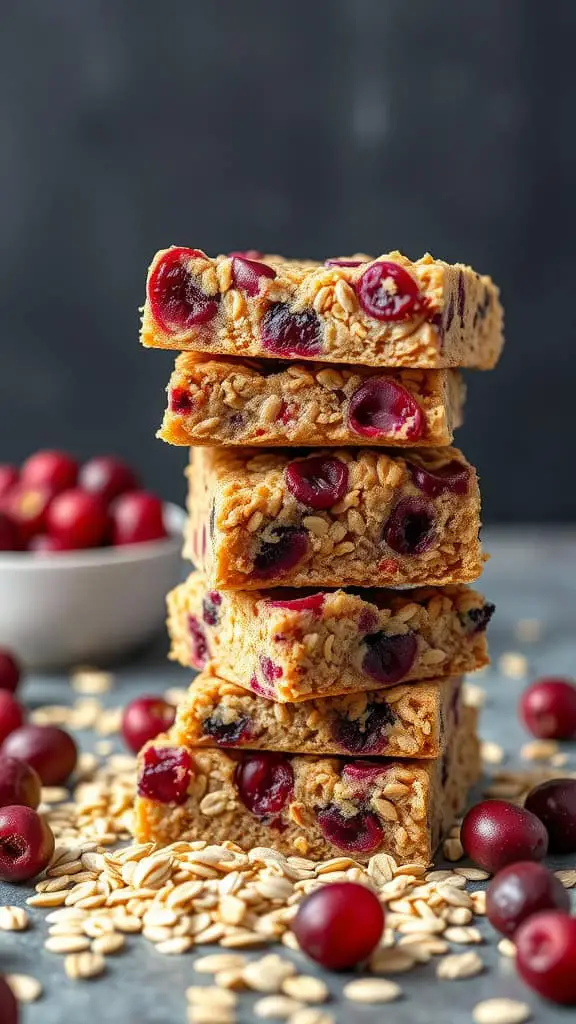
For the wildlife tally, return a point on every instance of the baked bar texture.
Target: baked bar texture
(333, 517)
(314, 806)
(402, 721)
(291, 645)
(388, 311)
(245, 402)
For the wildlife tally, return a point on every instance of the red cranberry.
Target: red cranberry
(343, 263)
(291, 334)
(310, 603)
(366, 735)
(10, 671)
(358, 775)
(453, 476)
(44, 544)
(270, 671)
(108, 477)
(265, 783)
(199, 653)
(9, 477)
(19, 783)
(211, 603)
(520, 890)
(176, 298)
(476, 620)
(411, 528)
(165, 775)
(27, 506)
(49, 750)
(228, 734)
(361, 833)
(554, 803)
(53, 470)
(548, 709)
(26, 844)
(496, 833)
(546, 955)
(247, 254)
(382, 408)
(387, 292)
(9, 536)
(77, 519)
(275, 558)
(137, 517)
(246, 274)
(317, 482)
(11, 714)
(389, 658)
(339, 925)
(145, 718)
(180, 401)
(8, 1005)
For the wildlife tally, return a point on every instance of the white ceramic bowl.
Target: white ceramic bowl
(87, 607)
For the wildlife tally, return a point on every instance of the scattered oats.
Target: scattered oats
(104, 747)
(513, 665)
(232, 978)
(422, 926)
(463, 935)
(175, 946)
(479, 902)
(268, 973)
(501, 1011)
(567, 876)
(459, 965)
(457, 915)
(81, 966)
(216, 962)
(210, 1015)
(506, 948)
(473, 696)
(13, 919)
(67, 944)
(210, 995)
(48, 899)
(528, 630)
(423, 947)
(54, 794)
(473, 874)
(372, 990)
(391, 961)
(242, 939)
(306, 987)
(453, 849)
(91, 680)
(539, 750)
(107, 945)
(381, 868)
(311, 1015)
(277, 1007)
(26, 988)
(492, 753)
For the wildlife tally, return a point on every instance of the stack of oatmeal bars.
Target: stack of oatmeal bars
(334, 531)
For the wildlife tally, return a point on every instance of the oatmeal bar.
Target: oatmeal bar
(338, 517)
(244, 402)
(402, 721)
(387, 311)
(291, 645)
(314, 806)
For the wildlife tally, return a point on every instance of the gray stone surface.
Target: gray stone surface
(531, 575)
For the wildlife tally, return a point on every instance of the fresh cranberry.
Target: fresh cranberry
(387, 292)
(382, 408)
(137, 517)
(11, 714)
(9, 536)
(77, 519)
(361, 833)
(53, 470)
(318, 482)
(366, 735)
(389, 658)
(546, 955)
(19, 783)
(199, 653)
(520, 890)
(343, 263)
(554, 803)
(211, 603)
(265, 783)
(145, 718)
(176, 298)
(26, 844)
(108, 477)
(49, 750)
(453, 476)
(9, 477)
(548, 709)
(246, 274)
(411, 528)
(165, 775)
(44, 544)
(275, 558)
(227, 734)
(339, 925)
(476, 620)
(180, 401)
(310, 603)
(27, 505)
(291, 334)
(496, 833)
(8, 1005)
(10, 671)
(247, 254)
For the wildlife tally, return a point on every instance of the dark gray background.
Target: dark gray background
(311, 127)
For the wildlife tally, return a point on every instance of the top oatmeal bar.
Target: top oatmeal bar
(387, 311)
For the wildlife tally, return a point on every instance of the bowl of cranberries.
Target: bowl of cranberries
(87, 556)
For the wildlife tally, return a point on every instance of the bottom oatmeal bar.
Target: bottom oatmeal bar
(314, 806)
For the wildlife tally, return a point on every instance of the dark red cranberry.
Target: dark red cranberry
(27, 506)
(247, 254)
(10, 671)
(199, 653)
(279, 556)
(339, 925)
(9, 535)
(548, 709)
(343, 263)
(19, 783)
(145, 718)
(382, 408)
(26, 844)
(77, 519)
(53, 470)
(180, 401)
(165, 774)
(270, 671)
(388, 292)
(453, 477)
(389, 658)
(520, 890)
(411, 528)
(496, 833)
(310, 603)
(137, 517)
(358, 775)
(366, 735)
(227, 734)
(44, 544)
(9, 477)
(108, 477)
(176, 298)
(265, 783)
(291, 334)
(8, 1006)
(554, 803)
(361, 833)
(211, 603)
(11, 714)
(262, 689)
(317, 482)
(50, 751)
(546, 955)
(246, 274)
(476, 620)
